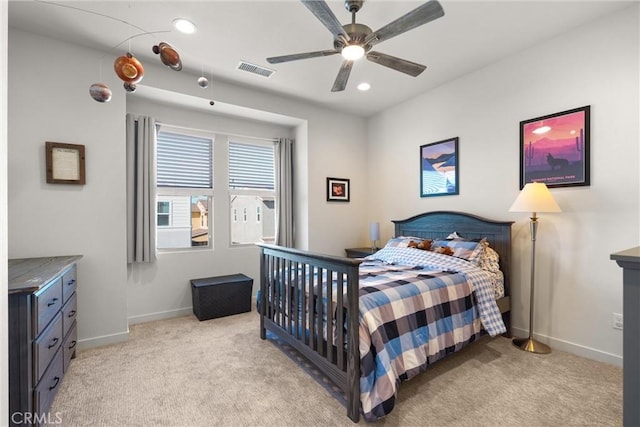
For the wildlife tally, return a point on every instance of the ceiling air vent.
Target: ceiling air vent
(255, 69)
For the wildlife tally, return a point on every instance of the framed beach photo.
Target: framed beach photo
(439, 168)
(338, 190)
(554, 149)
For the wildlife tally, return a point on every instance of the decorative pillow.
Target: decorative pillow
(401, 241)
(468, 249)
(490, 261)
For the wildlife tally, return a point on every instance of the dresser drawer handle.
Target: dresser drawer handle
(53, 342)
(57, 381)
(53, 302)
(72, 345)
(71, 282)
(71, 313)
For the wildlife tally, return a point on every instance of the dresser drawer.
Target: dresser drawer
(69, 281)
(69, 312)
(69, 345)
(45, 392)
(46, 303)
(45, 347)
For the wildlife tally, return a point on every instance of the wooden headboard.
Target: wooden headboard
(439, 224)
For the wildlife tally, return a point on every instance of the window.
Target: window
(252, 189)
(184, 188)
(164, 213)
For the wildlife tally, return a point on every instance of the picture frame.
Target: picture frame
(439, 169)
(65, 163)
(555, 149)
(338, 190)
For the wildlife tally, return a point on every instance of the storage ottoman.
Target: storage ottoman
(221, 296)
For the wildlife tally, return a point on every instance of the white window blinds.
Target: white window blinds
(251, 166)
(184, 161)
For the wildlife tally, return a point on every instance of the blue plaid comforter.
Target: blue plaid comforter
(416, 307)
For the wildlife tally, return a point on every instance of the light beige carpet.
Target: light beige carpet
(183, 372)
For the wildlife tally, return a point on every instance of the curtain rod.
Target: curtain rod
(219, 133)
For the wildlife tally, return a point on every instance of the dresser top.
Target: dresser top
(29, 274)
(630, 258)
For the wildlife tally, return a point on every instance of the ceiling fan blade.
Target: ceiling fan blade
(324, 14)
(343, 75)
(421, 15)
(412, 68)
(297, 56)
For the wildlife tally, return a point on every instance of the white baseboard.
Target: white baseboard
(160, 315)
(103, 340)
(569, 347)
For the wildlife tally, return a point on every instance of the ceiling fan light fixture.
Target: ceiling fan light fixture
(184, 26)
(352, 52)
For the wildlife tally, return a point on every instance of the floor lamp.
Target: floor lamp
(535, 197)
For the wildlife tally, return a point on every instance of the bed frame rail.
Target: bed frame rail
(291, 295)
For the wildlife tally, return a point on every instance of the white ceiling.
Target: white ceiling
(471, 35)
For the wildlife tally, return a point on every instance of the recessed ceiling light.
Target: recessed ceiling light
(184, 26)
(364, 86)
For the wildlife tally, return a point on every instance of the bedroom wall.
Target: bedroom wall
(52, 219)
(162, 288)
(47, 219)
(577, 286)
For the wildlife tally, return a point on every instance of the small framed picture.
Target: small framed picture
(439, 168)
(65, 163)
(338, 190)
(554, 149)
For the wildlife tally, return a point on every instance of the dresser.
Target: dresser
(42, 333)
(629, 260)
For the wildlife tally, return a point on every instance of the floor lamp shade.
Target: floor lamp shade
(535, 197)
(374, 233)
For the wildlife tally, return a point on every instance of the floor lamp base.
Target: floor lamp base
(531, 345)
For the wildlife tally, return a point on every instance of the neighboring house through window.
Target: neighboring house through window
(252, 189)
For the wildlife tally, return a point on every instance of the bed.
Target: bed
(369, 324)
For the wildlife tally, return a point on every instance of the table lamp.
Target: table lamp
(374, 234)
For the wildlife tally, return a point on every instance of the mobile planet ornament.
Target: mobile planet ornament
(100, 92)
(128, 69)
(203, 82)
(168, 55)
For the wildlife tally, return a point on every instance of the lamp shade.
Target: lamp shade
(374, 231)
(535, 197)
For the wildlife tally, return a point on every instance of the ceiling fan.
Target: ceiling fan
(356, 40)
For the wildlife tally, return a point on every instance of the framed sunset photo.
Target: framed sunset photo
(554, 149)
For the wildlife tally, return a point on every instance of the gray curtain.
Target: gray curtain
(141, 185)
(284, 192)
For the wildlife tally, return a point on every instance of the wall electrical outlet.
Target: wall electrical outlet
(617, 321)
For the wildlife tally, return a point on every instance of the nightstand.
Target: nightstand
(359, 252)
